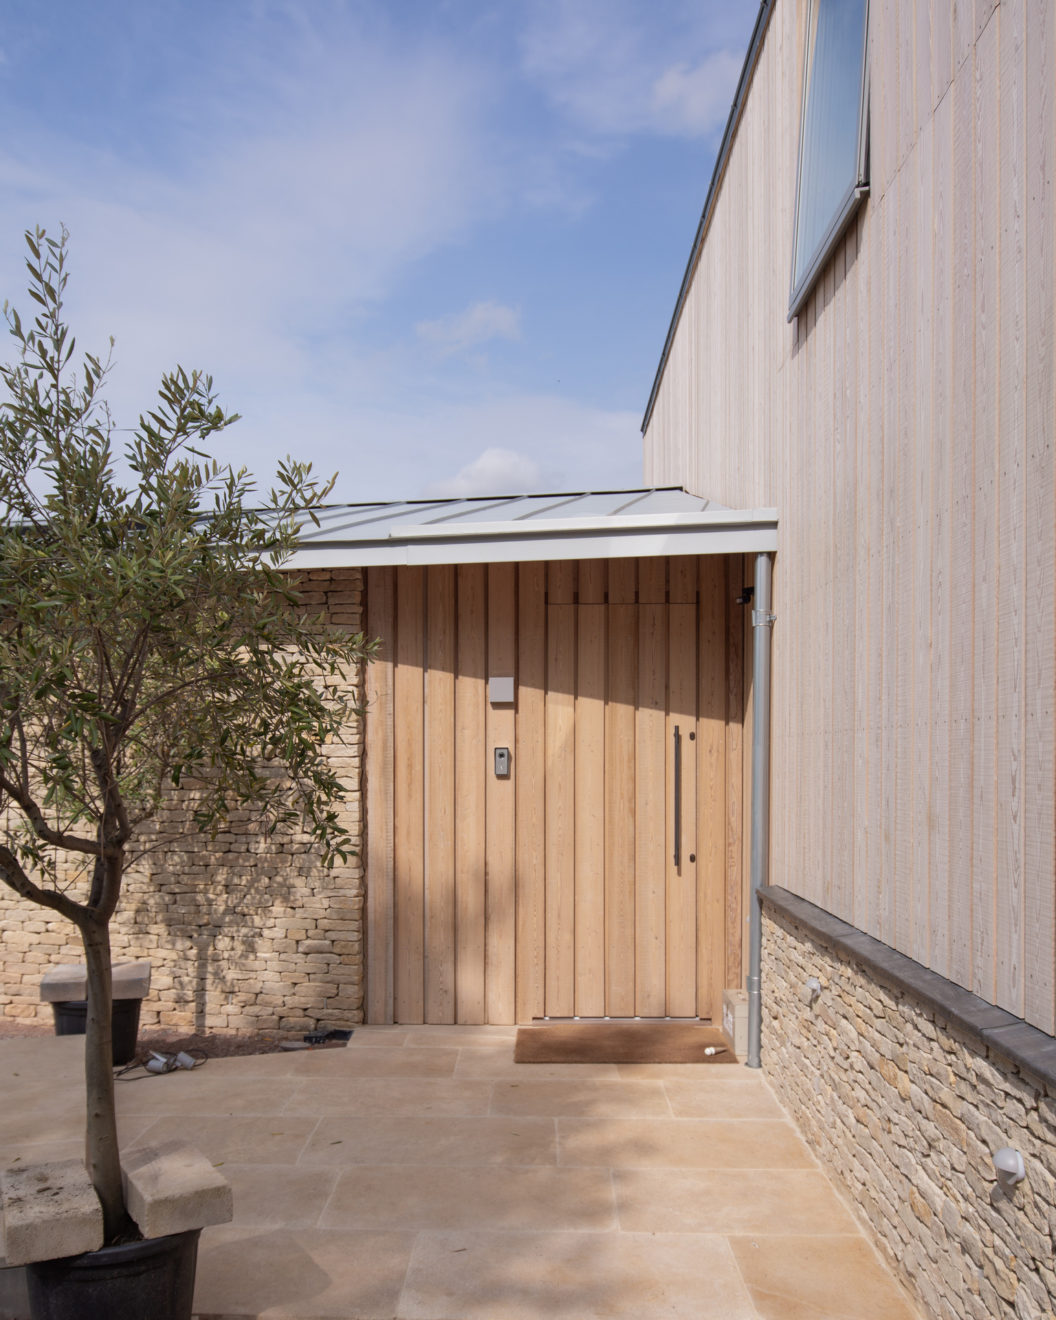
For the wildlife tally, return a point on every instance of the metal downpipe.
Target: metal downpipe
(762, 623)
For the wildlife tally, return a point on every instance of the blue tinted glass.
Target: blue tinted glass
(828, 170)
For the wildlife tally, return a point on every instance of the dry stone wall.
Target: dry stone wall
(244, 933)
(908, 1111)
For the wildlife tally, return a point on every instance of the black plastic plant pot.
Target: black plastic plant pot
(134, 1281)
(71, 1019)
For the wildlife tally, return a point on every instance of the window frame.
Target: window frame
(856, 190)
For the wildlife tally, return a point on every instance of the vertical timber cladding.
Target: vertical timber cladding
(554, 891)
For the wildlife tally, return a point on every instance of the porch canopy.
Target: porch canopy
(518, 528)
(553, 751)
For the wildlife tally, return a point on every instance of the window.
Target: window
(833, 136)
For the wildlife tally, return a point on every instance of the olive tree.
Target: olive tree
(148, 640)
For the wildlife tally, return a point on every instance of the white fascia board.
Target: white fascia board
(561, 527)
(754, 532)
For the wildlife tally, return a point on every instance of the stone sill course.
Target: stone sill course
(989, 1029)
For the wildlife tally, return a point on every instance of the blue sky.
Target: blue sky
(431, 246)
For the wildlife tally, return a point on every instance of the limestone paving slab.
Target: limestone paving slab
(376, 1061)
(64, 1141)
(208, 1090)
(681, 1143)
(729, 1073)
(712, 1097)
(573, 1276)
(40, 1059)
(380, 1035)
(409, 1097)
(496, 1065)
(711, 1201)
(378, 1139)
(811, 1278)
(260, 1139)
(606, 1099)
(310, 1273)
(356, 1060)
(461, 1037)
(54, 1113)
(53, 1124)
(281, 1066)
(42, 1152)
(279, 1195)
(438, 1197)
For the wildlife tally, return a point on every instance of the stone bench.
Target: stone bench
(65, 988)
(68, 982)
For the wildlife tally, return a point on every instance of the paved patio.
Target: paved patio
(421, 1174)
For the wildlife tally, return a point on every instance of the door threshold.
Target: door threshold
(704, 1022)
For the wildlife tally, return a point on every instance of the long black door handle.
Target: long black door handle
(678, 797)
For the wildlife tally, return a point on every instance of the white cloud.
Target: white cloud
(276, 217)
(569, 445)
(273, 220)
(696, 99)
(614, 68)
(476, 325)
(494, 472)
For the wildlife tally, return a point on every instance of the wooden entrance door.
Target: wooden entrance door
(622, 693)
(594, 880)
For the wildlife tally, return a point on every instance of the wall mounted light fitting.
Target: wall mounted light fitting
(1009, 1167)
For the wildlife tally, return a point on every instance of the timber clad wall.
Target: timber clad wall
(244, 933)
(903, 426)
(554, 891)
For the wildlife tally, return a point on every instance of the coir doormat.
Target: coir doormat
(621, 1042)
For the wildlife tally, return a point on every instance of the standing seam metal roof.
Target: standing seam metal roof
(570, 525)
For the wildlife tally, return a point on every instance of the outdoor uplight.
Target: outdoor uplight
(1008, 1164)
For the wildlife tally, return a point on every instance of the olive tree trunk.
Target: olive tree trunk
(101, 1153)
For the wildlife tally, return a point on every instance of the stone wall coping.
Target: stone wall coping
(990, 1028)
(69, 981)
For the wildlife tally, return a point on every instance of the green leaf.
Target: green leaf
(145, 639)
